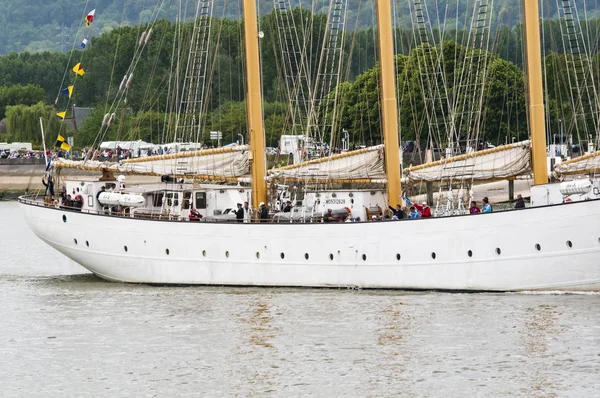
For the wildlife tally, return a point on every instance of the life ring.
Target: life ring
(79, 197)
(348, 210)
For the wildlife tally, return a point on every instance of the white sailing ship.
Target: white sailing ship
(149, 239)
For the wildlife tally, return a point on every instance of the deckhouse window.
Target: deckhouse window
(157, 199)
(187, 196)
(172, 199)
(200, 200)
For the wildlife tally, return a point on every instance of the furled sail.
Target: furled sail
(586, 164)
(212, 164)
(362, 165)
(498, 163)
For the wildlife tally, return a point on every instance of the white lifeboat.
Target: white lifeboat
(109, 198)
(132, 200)
(576, 187)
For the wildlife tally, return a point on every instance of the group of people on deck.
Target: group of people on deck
(243, 213)
(487, 207)
(415, 211)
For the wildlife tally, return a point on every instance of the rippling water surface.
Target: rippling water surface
(64, 332)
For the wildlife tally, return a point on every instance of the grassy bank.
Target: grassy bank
(9, 195)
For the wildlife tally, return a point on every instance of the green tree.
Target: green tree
(19, 95)
(23, 123)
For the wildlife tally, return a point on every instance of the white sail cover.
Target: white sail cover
(586, 164)
(228, 162)
(364, 163)
(498, 163)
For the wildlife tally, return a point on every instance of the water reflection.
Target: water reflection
(256, 350)
(540, 328)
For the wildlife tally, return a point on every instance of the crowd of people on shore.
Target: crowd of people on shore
(36, 155)
(6, 154)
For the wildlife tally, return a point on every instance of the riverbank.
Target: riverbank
(19, 179)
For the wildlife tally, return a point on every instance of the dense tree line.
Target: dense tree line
(40, 25)
(159, 75)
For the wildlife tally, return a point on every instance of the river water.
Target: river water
(64, 332)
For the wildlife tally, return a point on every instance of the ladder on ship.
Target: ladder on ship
(323, 109)
(190, 118)
(294, 64)
(470, 93)
(431, 73)
(584, 97)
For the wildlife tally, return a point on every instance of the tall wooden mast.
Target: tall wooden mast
(537, 123)
(389, 110)
(254, 104)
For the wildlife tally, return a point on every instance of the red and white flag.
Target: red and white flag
(90, 18)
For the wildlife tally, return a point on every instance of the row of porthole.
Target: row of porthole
(87, 243)
(538, 247)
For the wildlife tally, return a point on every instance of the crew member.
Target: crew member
(264, 212)
(239, 213)
(288, 207)
(398, 213)
(423, 209)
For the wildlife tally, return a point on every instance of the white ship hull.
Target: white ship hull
(396, 254)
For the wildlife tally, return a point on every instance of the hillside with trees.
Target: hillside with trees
(108, 57)
(40, 25)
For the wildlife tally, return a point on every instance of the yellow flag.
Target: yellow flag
(79, 69)
(68, 92)
(62, 144)
(61, 115)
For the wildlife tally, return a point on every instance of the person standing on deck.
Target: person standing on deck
(423, 209)
(487, 207)
(264, 212)
(49, 184)
(239, 213)
(474, 209)
(398, 213)
(195, 215)
(328, 217)
(413, 213)
(288, 207)
(247, 213)
(520, 203)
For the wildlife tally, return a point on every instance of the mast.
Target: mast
(254, 104)
(389, 111)
(537, 124)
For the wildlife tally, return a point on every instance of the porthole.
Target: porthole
(125, 248)
(498, 251)
(257, 254)
(282, 255)
(331, 256)
(227, 254)
(470, 253)
(538, 247)
(167, 251)
(364, 256)
(203, 253)
(65, 220)
(75, 241)
(87, 243)
(306, 256)
(398, 257)
(569, 243)
(433, 255)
